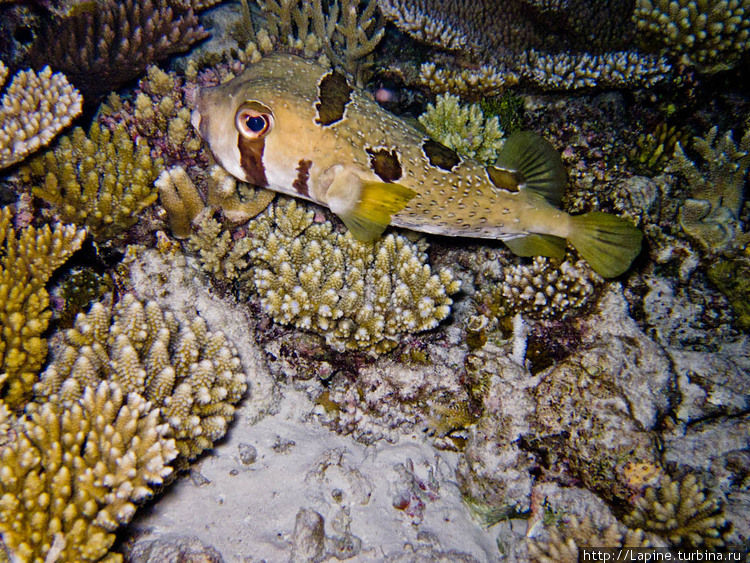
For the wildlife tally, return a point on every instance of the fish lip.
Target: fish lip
(195, 120)
(196, 116)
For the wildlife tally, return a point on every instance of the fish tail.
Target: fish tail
(607, 242)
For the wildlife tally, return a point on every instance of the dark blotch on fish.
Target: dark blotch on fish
(333, 94)
(440, 155)
(505, 179)
(385, 164)
(303, 174)
(251, 160)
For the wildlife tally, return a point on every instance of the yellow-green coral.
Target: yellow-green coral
(73, 474)
(101, 180)
(709, 34)
(191, 375)
(358, 295)
(34, 108)
(28, 258)
(464, 128)
(652, 151)
(564, 543)
(681, 512)
(711, 213)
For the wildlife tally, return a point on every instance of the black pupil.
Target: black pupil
(256, 123)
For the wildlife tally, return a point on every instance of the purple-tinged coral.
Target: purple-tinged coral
(548, 47)
(110, 43)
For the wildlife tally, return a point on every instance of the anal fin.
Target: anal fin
(537, 245)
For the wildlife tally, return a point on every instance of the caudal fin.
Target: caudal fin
(607, 242)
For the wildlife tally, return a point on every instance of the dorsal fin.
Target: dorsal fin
(533, 162)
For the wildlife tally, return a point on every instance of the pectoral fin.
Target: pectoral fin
(537, 245)
(366, 207)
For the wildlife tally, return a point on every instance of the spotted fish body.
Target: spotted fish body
(297, 128)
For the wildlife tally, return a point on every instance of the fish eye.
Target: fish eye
(256, 123)
(253, 120)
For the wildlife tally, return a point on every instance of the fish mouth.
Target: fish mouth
(196, 116)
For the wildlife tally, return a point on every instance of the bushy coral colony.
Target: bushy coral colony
(152, 283)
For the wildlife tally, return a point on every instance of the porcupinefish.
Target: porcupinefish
(292, 126)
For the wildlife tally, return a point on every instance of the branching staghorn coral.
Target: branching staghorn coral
(73, 474)
(551, 47)
(564, 543)
(711, 214)
(711, 35)
(101, 180)
(192, 376)
(681, 512)
(346, 32)
(463, 128)
(106, 43)
(358, 295)
(28, 258)
(33, 110)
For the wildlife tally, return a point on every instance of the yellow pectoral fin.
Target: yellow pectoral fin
(369, 215)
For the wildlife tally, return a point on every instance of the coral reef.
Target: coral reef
(104, 46)
(463, 128)
(358, 295)
(346, 32)
(33, 110)
(101, 180)
(521, 42)
(163, 117)
(596, 409)
(28, 258)
(680, 511)
(159, 112)
(192, 376)
(563, 543)
(732, 278)
(652, 151)
(711, 35)
(494, 469)
(73, 474)
(711, 213)
(184, 204)
(542, 289)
